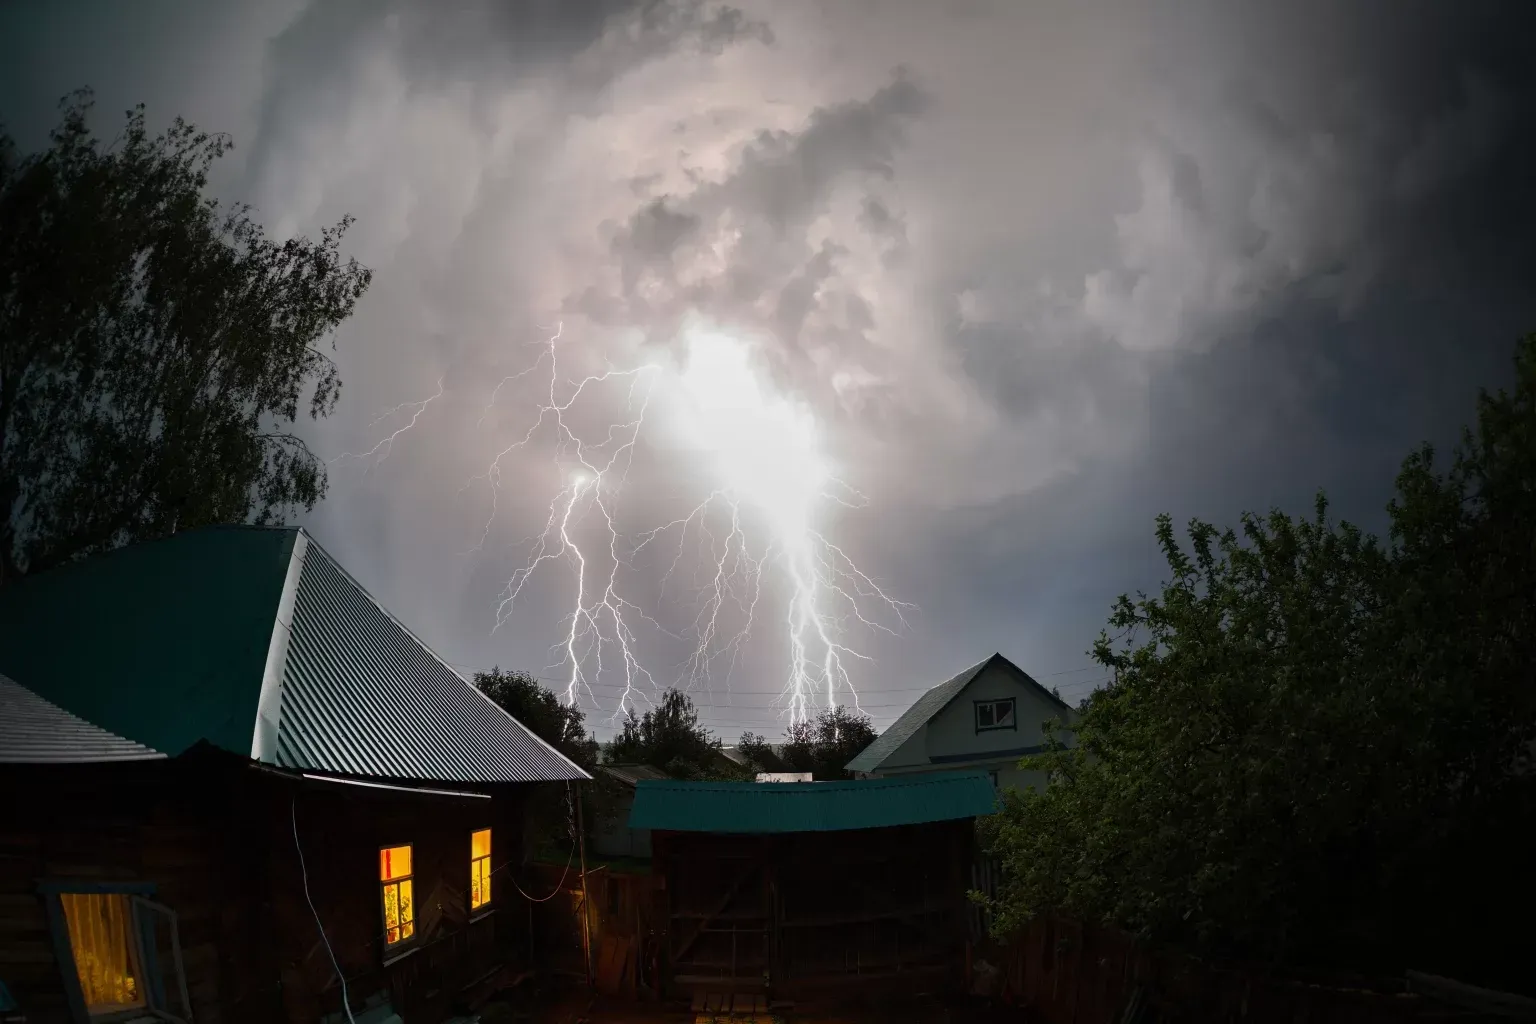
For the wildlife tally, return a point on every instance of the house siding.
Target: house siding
(215, 840)
(952, 732)
(949, 741)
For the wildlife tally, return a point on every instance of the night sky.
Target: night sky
(1028, 273)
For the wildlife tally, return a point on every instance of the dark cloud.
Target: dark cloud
(1042, 270)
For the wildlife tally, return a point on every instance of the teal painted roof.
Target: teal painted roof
(931, 703)
(763, 807)
(256, 641)
(163, 642)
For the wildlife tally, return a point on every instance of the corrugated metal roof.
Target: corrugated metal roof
(931, 703)
(167, 643)
(632, 774)
(914, 718)
(361, 695)
(750, 807)
(34, 731)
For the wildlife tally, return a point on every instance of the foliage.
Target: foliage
(154, 347)
(824, 746)
(1316, 746)
(759, 753)
(668, 736)
(563, 727)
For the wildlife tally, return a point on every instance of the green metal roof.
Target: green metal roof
(163, 642)
(763, 807)
(256, 641)
(930, 704)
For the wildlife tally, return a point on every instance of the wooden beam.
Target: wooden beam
(719, 908)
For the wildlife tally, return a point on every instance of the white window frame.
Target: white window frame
(993, 703)
(143, 912)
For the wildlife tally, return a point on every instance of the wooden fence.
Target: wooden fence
(1060, 972)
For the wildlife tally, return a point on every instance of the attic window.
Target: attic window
(395, 883)
(995, 714)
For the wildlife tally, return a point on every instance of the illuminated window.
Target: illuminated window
(106, 955)
(399, 902)
(479, 868)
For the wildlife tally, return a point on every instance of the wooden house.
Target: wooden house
(795, 890)
(237, 789)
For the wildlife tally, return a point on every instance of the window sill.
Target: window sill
(396, 956)
(481, 914)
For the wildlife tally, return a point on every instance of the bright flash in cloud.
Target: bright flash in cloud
(755, 542)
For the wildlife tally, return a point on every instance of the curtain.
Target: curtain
(100, 937)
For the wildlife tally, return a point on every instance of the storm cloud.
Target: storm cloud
(1042, 270)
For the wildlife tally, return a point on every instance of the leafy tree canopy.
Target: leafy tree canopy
(155, 347)
(824, 745)
(1316, 746)
(564, 727)
(561, 725)
(668, 736)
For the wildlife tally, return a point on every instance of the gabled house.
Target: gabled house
(985, 718)
(236, 788)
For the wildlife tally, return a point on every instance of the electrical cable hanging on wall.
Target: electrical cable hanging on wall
(346, 1004)
(570, 822)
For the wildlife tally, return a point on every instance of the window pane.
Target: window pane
(480, 843)
(391, 907)
(984, 715)
(98, 926)
(1005, 713)
(407, 905)
(394, 862)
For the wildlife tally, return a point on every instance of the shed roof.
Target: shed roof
(35, 731)
(632, 774)
(256, 641)
(930, 704)
(750, 807)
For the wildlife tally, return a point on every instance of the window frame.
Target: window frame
(396, 948)
(486, 907)
(993, 702)
(142, 948)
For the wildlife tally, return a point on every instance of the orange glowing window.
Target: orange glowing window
(106, 956)
(399, 903)
(479, 868)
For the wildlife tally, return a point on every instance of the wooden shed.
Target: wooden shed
(790, 890)
(237, 789)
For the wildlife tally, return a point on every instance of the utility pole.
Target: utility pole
(586, 903)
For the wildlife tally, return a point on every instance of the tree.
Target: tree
(1316, 747)
(824, 746)
(562, 726)
(668, 736)
(154, 347)
(759, 753)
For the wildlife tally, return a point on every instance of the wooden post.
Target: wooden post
(586, 903)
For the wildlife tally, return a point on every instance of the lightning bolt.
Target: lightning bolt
(387, 445)
(771, 490)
